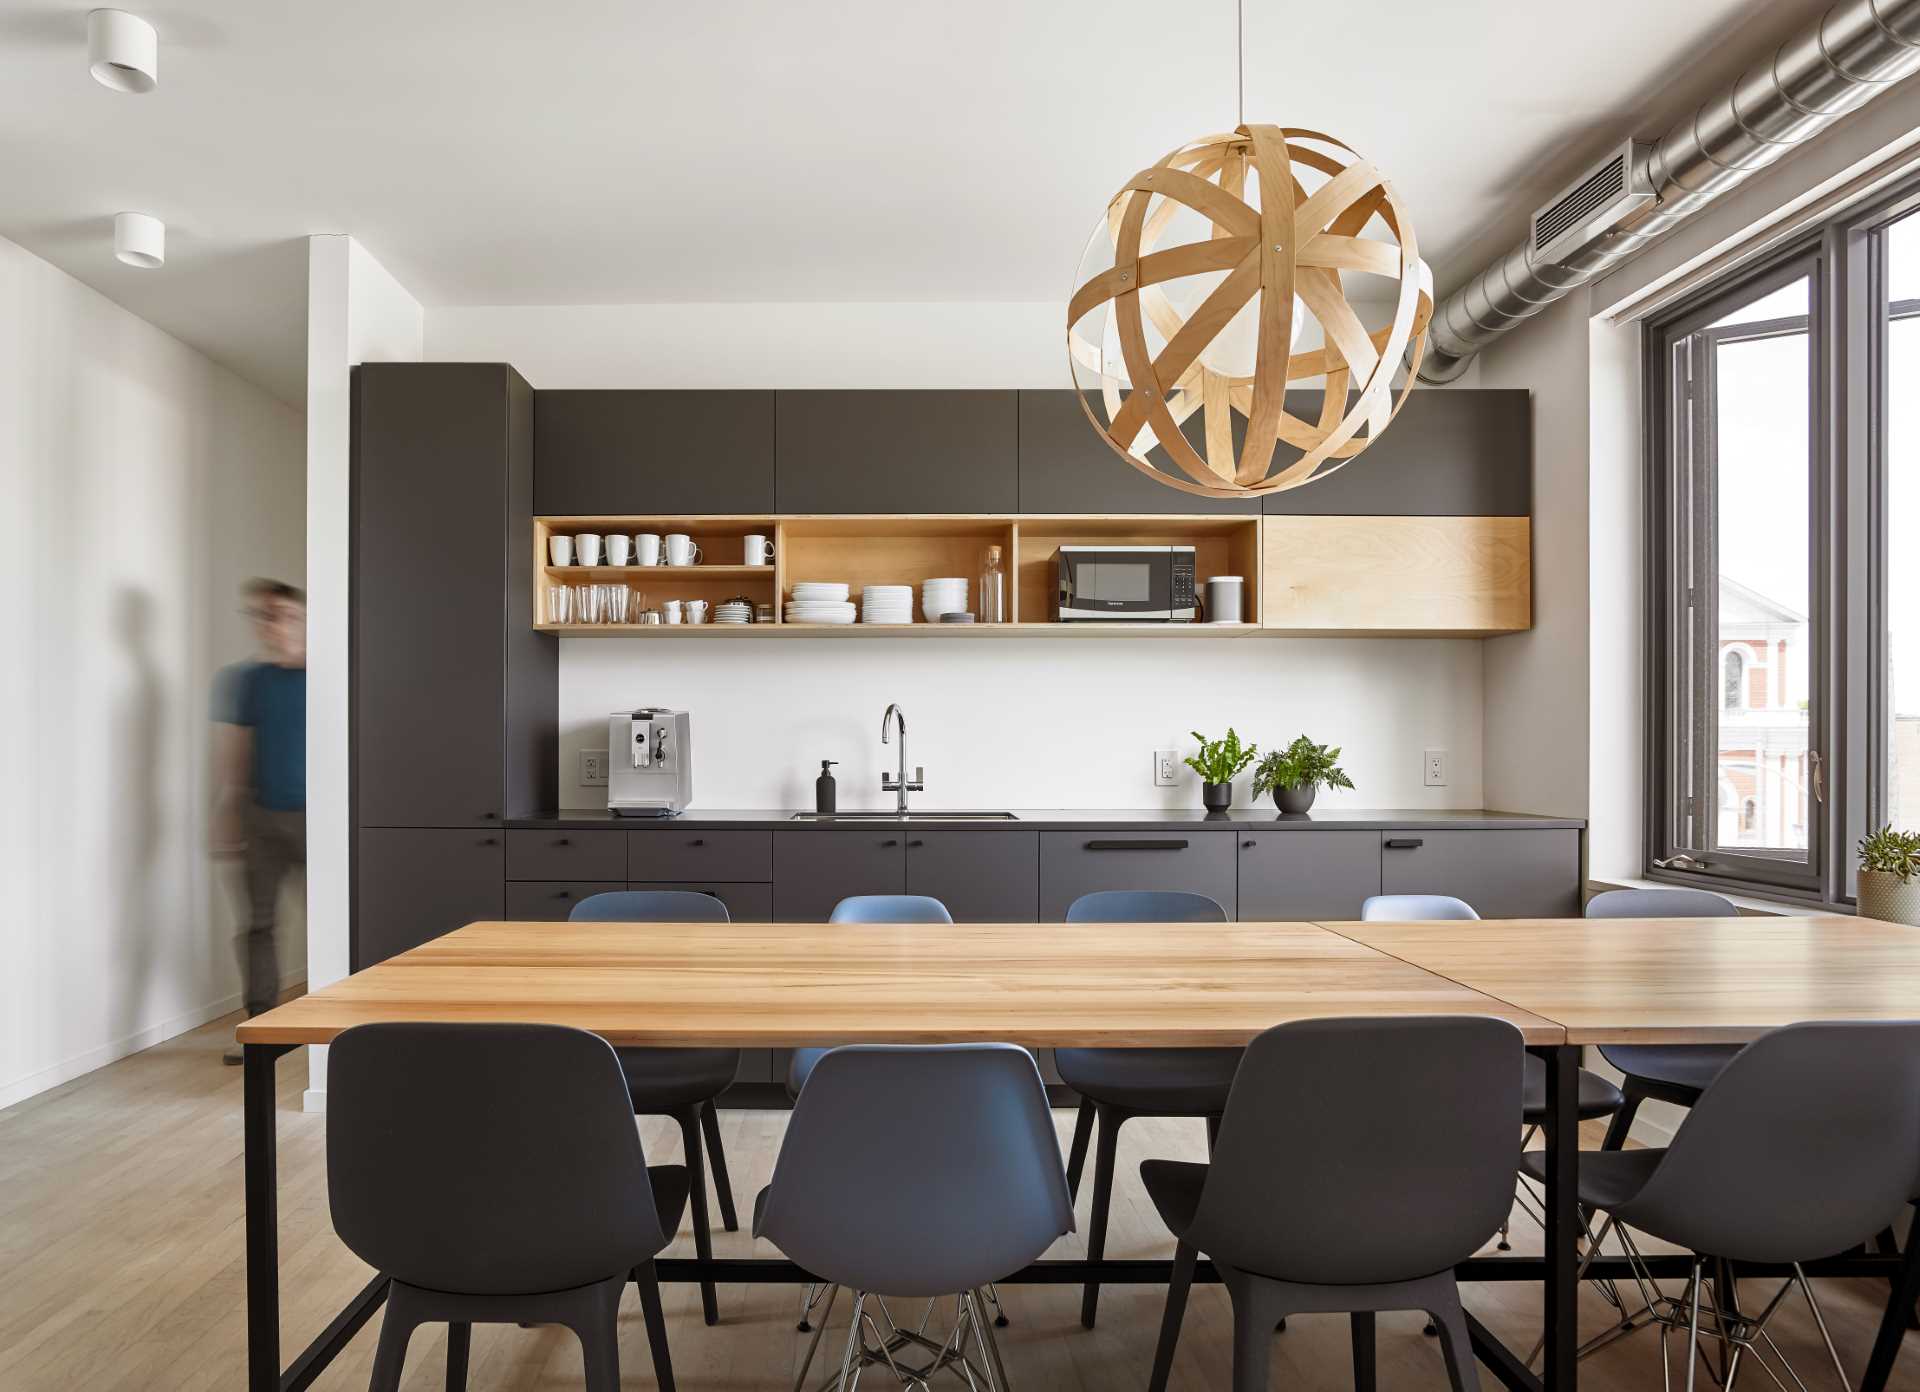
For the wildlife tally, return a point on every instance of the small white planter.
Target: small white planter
(1883, 896)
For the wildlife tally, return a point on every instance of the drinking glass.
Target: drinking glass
(559, 604)
(586, 603)
(619, 597)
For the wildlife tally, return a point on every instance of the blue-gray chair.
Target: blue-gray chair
(494, 1174)
(1358, 1162)
(1117, 1085)
(679, 1083)
(917, 1171)
(1676, 1073)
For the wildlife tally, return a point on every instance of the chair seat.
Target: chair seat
(1153, 1082)
(669, 1185)
(1691, 1066)
(1598, 1097)
(1174, 1186)
(664, 1080)
(1608, 1178)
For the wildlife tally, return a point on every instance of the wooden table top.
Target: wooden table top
(795, 984)
(1676, 980)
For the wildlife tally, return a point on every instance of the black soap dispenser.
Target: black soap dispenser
(826, 792)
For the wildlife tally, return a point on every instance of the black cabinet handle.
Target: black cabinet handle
(711, 893)
(911, 844)
(1404, 843)
(563, 894)
(1248, 845)
(489, 840)
(698, 841)
(1136, 845)
(563, 841)
(489, 816)
(892, 842)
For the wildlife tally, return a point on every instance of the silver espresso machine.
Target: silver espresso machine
(649, 763)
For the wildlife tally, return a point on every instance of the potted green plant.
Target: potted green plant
(1218, 763)
(1294, 774)
(1890, 876)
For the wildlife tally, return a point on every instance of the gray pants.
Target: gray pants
(276, 844)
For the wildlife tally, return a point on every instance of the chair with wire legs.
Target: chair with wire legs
(922, 1171)
(494, 1174)
(1358, 1162)
(1117, 1085)
(683, 1084)
(1795, 1151)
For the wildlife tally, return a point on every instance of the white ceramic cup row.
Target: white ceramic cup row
(693, 611)
(642, 548)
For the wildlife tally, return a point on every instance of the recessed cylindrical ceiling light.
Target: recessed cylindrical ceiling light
(123, 52)
(140, 240)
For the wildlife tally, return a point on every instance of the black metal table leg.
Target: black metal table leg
(263, 1218)
(1893, 1323)
(1560, 1373)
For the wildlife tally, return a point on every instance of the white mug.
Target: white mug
(587, 546)
(671, 610)
(681, 551)
(646, 548)
(759, 551)
(696, 611)
(619, 548)
(560, 550)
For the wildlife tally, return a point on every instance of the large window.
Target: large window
(1784, 670)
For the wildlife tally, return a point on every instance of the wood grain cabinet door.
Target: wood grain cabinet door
(662, 452)
(897, 451)
(814, 869)
(981, 876)
(1517, 873)
(413, 885)
(1301, 874)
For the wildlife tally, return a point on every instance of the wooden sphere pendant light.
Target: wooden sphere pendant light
(1191, 299)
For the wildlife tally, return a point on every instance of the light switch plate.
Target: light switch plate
(1166, 768)
(1436, 768)
(593, 768)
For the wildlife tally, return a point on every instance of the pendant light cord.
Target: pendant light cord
(1240, 60)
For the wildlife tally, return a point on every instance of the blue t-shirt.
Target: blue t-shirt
(271, 701)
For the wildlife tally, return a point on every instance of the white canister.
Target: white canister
(1223, 599)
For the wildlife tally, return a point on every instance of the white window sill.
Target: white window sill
(1746, 903)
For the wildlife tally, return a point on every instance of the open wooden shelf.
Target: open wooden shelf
(913, 630)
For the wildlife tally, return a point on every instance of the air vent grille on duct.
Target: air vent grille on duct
(1590, 208)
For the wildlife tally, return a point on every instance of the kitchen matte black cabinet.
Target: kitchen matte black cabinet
(454, 695)
(1307, 874)
(815, 868)
(566, 855)
(552, 901)
(670, 853)
(412, 885)
(1065, 466)
(1073, 863)
(1503, 874)
(981, 876)
(659, 452)
(896, 451)
(746, 903)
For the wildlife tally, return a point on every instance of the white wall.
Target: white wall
(356, 312)
(1021, 723)
(141, 484)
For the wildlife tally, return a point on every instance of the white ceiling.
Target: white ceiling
(605, 151)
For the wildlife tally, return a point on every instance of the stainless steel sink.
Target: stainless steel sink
(904, 817)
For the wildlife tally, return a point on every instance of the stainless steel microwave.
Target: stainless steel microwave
(1130, 584)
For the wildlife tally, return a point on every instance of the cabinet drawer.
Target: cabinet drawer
(566, 855)
(1503, 874)
(551, 901)
(981, 876)
(1292, 875)
(1073, 863)
(672, 854)
(746, 903)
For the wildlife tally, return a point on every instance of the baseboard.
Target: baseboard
(313, 1100)
(52, 1076)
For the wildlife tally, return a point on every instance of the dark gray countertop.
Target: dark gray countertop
(1107, 819)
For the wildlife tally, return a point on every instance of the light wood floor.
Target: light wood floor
(121, 1248)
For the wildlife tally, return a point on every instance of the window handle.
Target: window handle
(1817, 767)
(1683, 861)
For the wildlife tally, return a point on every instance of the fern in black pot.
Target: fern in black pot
(1218, 763)
(1294, 774)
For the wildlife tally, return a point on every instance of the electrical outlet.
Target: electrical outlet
(593, 768)
(1166, 768)
(1436, 768)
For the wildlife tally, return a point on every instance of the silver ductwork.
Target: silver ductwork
(1856, 51)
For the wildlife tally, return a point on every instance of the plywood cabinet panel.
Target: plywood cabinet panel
(1379, 576)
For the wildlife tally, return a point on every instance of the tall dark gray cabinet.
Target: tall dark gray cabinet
(454, 695)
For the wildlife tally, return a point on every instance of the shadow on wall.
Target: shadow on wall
(135, 749)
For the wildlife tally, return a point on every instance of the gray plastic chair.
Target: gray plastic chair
(1803, 1146)
(1416, 908)
(1117, 1085)
(680, 1083)
(494, 1174)
(917, 1171)
(1358, 1162)
(1676, 1073)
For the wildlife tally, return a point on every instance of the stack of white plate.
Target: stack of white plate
(942, 596)
(819, 601)
(734, 611)
(886, 604)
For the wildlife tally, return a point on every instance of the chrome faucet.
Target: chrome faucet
(899, 783)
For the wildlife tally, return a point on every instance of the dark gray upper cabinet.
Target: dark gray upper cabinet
(665, 452)
(412, 885)
(1298, 874)
(1503, 874)
(981, 876)
(815, 868)
(1449, 453)
(454, 695)
(896, 451)
(1066, 466)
